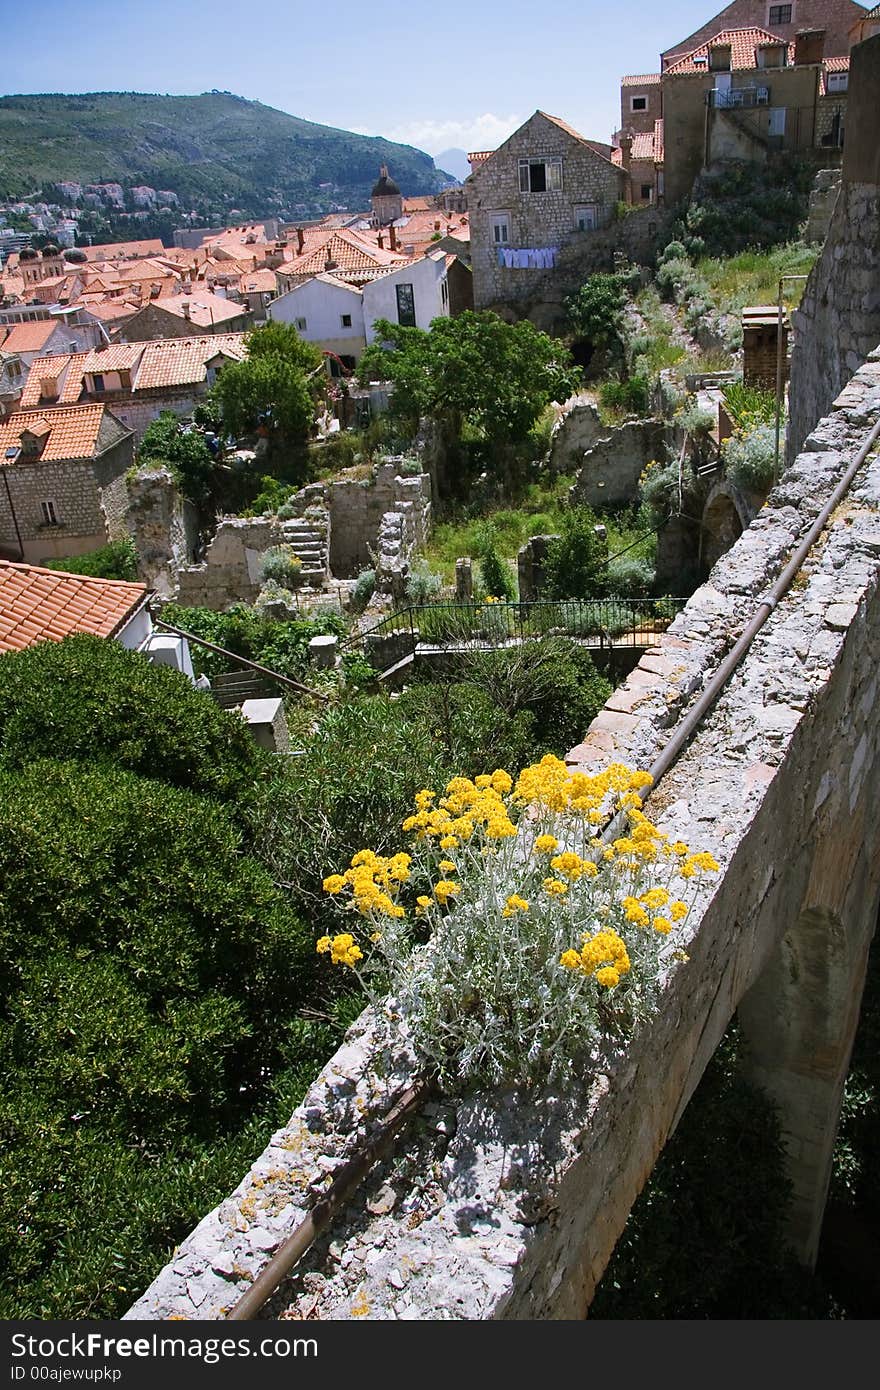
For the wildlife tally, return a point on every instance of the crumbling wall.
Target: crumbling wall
(163, 526)
(230, 572)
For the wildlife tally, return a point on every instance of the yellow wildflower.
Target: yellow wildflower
(446, 889)
(514, 904)
(607, 976)
(555, 887)
(571, 960)
(449, 842)
(678, 910)
(546, 844)
(334, 884)
(662, 925)
(322, 945)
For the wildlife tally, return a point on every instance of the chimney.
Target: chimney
(392, 237)
(626, 144)
(300, 241)
(185, 309)
(809, 46)
(380, 241)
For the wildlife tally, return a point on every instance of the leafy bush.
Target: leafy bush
(749, 458)
(576, 559)
(495, 574)
(696, 421)
(118, 560)
(150, 970)
(630, 397)
(271, 498)
(90, 699)
(631, 576)
(672, 251)
(185, 452)
(247, 632)
(423, 584)
(595, 311)
(748, 406)
(364, 588)
(281, 564)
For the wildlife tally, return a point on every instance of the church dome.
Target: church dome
(385, 187)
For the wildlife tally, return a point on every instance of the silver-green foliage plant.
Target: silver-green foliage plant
(545, 937)
(281, 564)
(749, 458)
(423, 584)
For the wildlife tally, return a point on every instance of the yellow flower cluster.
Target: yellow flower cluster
(446, 889)
(550, 784)
(572, 867)
(604, 956)
(343, 949)
(466, 806)
(513, 905)
(373, 880)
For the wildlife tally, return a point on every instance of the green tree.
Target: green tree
(185, 453)
(269, 395)
(495, 376)
(595, 311)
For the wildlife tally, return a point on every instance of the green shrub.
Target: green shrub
(629, 397)
(495, 573)
(749, 458)
(281, 564)
(748, 406)
(423, 584)
(90, 699)
(631, 576)
(576, 559)
(672, 251)
(247, 632)
(364, 588)
(272, 497)
(118, 560)
(696, 421)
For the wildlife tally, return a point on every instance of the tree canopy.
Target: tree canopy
(274, 391)
(185, 453)
(595, 311)
(498, 377)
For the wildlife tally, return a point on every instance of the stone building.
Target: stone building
(63, 491)
(184, 315)
(137, 380)
(544, 188)
(835, 17)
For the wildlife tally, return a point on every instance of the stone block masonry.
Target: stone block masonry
(507, 1206)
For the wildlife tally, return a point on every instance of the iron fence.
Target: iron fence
(603, 622)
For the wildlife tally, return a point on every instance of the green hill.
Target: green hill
(212, 150)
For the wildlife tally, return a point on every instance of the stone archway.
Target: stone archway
(725, 517)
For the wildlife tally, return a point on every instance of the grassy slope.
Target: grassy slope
(213, 144)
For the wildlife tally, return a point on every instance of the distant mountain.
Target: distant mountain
(212, 150)
(456, 161)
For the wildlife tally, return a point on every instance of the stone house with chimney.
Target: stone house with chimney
(544, 188)
(62, 482)
(186, 315)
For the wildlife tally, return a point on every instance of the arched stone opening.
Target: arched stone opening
(722, 527)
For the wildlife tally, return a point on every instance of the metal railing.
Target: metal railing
(737, 96)
(606, 621)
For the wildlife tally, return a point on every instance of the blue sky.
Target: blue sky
(462, 73)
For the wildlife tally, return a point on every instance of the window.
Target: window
(50, 514)
(444, 294)
(719, 58)
(646, 192)
(780, 14)
(97, 382)
(836, 81)
(300, 325)
(406, 306)
(585, 217)
(540, 175)
(638, 104)
(500, 225)
(346, 320)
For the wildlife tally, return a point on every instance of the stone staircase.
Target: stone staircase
(311, 541)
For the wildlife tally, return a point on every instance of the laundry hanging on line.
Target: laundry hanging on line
(527, 258)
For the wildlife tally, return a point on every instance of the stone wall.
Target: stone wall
(89, 515)
(838, 322)
(357, 509)
(823, 196)
(609, 471)
(230, 571)
(163, 526)
(507, 1206)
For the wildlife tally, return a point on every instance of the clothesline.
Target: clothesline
(527, 258)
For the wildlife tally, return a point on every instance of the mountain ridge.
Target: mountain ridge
(213, 149)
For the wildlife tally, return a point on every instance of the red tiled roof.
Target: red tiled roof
(29, 337)
(659, 142)
(645, 79)
(123, 249)
(38, 605)
(352, 256)
(72, 432)
(832, 65)
(182, 361)
(594, 145)
(742, 44)
(205, 308)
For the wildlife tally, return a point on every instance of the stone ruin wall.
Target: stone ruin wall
(508, 1206)
(838, 322)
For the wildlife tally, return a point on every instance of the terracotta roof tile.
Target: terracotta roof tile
(29, 337)
(123, 250)
(205, 309)
(73, 432)
(645, 79)
(38, 604)
(742, 43)
(182, 361)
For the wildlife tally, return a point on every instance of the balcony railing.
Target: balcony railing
(738, 96)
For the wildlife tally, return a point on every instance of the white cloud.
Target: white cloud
(477, 133)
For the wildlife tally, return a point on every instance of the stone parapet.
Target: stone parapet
(507, 1206)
